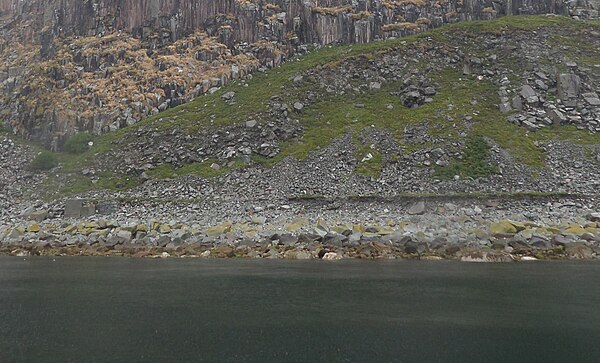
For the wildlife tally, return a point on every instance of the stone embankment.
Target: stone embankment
(479, 230)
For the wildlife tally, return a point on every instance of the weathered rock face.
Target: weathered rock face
(320, 21)
(105, 64)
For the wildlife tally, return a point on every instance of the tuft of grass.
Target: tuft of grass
(80, 184)
(475, 162)
(108, 181)
(44, 161)
(567, 133)
(519, 22)
(372, 167)
(79, 143)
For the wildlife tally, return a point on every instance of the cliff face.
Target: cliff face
(98, 65)
(319, 21)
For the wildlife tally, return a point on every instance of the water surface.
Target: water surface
(126, 310)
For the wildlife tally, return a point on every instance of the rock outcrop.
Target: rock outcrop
(321, 21)
(71, 66)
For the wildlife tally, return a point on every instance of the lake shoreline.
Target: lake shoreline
(372, 251)
(466, 230)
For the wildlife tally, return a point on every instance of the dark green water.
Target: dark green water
(122, 310)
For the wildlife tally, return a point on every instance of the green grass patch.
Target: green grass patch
(369, 161)
(68, 184)
(520, 22)
(108, 181)
(567, 133)
(79, 143)
(578, 47)
(44, 161)
(475, 162)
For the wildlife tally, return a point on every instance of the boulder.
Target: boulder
(373, 86)
(124, 236)
(334, 239)
(260, 220)
(539, 242)
(220, 229)
(429, 91)
(517, 103)
(557, 117)
(38, 215)
(228, 96)
(591, 98)
(331, 256)
(354, 238)
(415, 247)
(321, 228)
(222, 252)
(34, 228)
(560, 240)
(412, 99)
(568, 86)
(296, 224)
(73, 208)
(579, 251)
(594, 217)
(502, 228)
(417, 208)
(527, 92)
(505, 107)
(106, 207)
(298, 107)
(288, 239)
(541, 85)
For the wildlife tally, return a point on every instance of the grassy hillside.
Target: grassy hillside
(332, 115)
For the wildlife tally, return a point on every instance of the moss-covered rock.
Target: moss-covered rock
(164, 228)
(296, 224)
(502, 228)
(34, 228)
(575, 229)
(220, 229)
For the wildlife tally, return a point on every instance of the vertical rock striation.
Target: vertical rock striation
(320, 21)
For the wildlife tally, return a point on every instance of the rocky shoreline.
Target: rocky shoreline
(466, 229)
